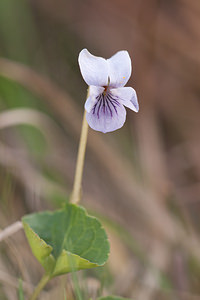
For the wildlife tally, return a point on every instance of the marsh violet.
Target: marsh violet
(107, 95)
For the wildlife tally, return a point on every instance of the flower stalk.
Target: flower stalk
(76, 192)
(77, 187)
(40, 287)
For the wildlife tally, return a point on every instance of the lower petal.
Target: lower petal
(106, 116)
(127, 97)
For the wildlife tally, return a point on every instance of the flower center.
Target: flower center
(106, 87)
(105, 90)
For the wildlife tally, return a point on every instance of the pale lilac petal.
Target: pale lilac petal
(119, 69)
(94, 69)
(106, 115)
(94, 92)
(127, 97)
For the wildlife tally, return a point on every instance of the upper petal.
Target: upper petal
(127, 97)
(119, 69)
(94, 92)
(94, 69)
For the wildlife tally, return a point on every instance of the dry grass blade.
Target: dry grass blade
(10, 230)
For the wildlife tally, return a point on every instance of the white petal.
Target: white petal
(119, 69)
(127, 97)
(94, 92)
(94, 69)
(106, 117)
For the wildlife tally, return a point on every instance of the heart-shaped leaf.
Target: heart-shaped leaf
(66, 240)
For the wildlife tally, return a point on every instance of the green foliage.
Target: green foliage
(165, 282)
(20, 291)
(34, 140)
(14, 95)
(16, 28)
(66, 240)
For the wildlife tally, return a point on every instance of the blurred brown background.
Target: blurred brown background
(143, 180)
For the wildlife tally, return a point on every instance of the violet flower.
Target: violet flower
(107, 95)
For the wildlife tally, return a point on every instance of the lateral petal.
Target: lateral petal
(127, 97)
(94, 92)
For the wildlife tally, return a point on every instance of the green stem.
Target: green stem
(40, 286)
(76, 192)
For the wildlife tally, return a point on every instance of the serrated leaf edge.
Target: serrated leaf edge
(70, 253)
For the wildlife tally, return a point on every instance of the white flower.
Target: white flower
(107, 95)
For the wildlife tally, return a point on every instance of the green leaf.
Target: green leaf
(112, 298)
(20, 290)
(66, 240)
